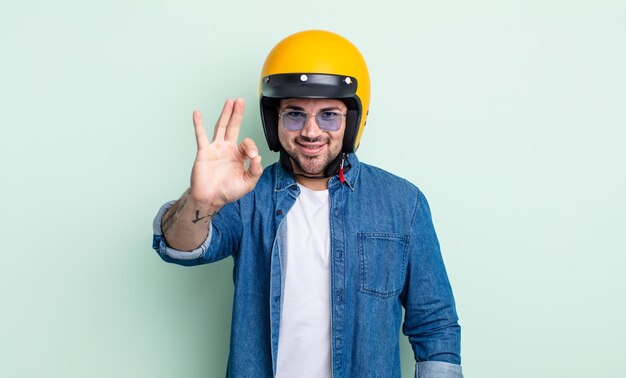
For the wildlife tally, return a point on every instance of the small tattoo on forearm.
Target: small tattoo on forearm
(199, 218)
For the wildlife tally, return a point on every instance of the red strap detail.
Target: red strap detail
(342, 178)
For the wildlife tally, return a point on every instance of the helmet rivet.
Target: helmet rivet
(303, 78)
(347, 80)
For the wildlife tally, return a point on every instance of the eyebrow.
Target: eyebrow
(299, 108)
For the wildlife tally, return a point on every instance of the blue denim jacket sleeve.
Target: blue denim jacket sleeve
(220, 242)
(431, 321)
(437, 369)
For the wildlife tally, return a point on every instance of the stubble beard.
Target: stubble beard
(313, 165)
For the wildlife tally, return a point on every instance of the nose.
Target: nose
(311, 129)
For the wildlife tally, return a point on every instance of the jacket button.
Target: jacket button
(339, 297)
(279, 212)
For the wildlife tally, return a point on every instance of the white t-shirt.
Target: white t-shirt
(304, 337)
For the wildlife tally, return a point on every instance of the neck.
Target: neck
(312, 182)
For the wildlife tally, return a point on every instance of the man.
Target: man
(327, 250)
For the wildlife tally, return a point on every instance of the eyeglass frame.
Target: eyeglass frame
(317, 121)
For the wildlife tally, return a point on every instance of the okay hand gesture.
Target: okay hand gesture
(219, 172)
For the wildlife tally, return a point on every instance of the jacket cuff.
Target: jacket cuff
(159, 244)
(437, 369)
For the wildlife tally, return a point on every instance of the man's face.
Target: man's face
(311, 149)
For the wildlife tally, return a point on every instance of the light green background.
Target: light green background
(509, 115)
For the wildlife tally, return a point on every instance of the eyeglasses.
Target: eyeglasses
(327, 120)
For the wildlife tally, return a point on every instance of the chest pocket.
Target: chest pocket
(382, 260)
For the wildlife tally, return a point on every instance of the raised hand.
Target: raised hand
(219, 176)
(219, 172)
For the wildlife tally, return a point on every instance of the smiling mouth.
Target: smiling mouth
(310, 149)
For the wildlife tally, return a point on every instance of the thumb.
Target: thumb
(254, 171)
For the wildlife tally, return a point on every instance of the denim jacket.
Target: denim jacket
(384, 257)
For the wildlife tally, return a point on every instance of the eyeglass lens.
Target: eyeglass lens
(294, 120)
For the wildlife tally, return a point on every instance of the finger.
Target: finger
(247, 149)
(222, 122)
(234, 123)
(201, 138)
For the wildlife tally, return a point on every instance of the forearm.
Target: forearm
(185, 225)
